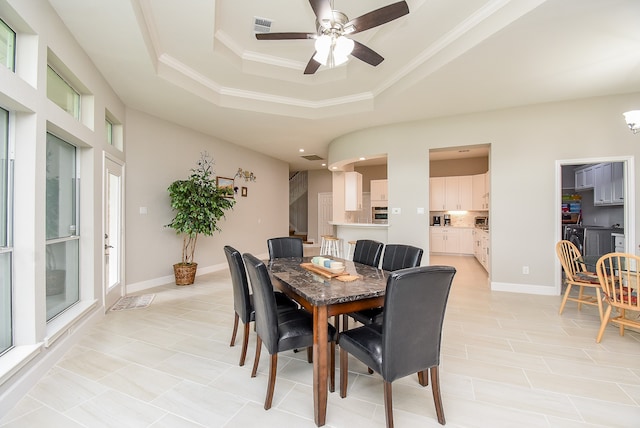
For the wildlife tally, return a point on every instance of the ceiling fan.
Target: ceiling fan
(332, 26)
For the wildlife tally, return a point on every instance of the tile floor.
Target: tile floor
(507, 360)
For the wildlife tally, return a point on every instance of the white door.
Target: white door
(113, 236)
(325, 214)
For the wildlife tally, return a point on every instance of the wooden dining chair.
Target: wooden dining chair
(243, 300)
(576, 275)
(619, 277)
(280, 331)
(287, 246)
(408, 340)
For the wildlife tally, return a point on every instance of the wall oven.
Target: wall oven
(379, 215)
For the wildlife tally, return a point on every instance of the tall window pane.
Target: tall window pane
(61, 93)
(62, 255)
(6, 251)
(109, 128)
(7, 46)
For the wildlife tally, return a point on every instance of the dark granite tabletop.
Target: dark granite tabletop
(320, 290)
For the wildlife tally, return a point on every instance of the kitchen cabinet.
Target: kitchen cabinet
(466, 241)
(481, 247)
(437, 194)
(608, 184)
(451, 193)
(451, 240)
(352, 191)
(480, 190)
(617, 183)
(459, 193)
(379, 193)
(444, 240)
(584, 178)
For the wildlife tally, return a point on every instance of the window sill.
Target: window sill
(16, 358)
(63, 323)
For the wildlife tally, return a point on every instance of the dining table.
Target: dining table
(325, 295)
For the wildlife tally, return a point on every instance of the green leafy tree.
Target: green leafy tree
(199, 205)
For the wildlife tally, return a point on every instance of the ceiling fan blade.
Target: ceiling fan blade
(312, 65)
(366, 54)
(285, 36)
(378, 17)
(322, 9)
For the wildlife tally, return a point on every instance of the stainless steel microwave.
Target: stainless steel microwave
(379, 215)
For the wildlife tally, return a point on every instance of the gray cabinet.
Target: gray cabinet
(608, 184)
(584, 178)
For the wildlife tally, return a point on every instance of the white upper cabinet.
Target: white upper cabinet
(451, 193)
(437, 194)
(352, 191)
(379, 193)
(480, 188)
(459, 193)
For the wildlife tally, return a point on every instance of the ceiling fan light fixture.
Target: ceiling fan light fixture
(343, 46)
(633, 120)
(323, 47)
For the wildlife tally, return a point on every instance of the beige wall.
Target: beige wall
(526, 144)
(160, 152)
(448, 168)
(319, 181)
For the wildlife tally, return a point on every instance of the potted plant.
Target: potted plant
(199, 205)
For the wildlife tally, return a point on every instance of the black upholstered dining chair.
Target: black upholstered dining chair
(286, 246)
(243, 301)
(408, 340)
(368, 252)
(280, 331)
(396, 257)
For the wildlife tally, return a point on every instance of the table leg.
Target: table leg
(320, 364)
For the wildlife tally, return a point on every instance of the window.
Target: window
(62, 246)
(7, 46)
(109, 130)
(6, 251)
(63, 94)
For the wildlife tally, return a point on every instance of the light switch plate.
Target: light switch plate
(395, 210)
(420, 210)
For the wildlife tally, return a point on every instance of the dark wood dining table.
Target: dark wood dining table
(325, 297)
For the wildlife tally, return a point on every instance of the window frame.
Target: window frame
(13, 48)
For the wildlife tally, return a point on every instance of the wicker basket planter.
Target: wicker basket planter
(185, 273)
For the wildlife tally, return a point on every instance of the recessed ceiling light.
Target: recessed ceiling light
(301, 150)
(363, 158)
(324, 164)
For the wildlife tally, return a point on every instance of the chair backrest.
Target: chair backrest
(264, 302)
(398, 256)
(241, 296)
(414, 307)
(287, 246)
(569, 256)
(368, 252)
(619, 277)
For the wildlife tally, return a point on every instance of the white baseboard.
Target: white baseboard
(543, 290)
(170, 279)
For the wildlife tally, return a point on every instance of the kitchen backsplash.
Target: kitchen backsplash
(466, 219)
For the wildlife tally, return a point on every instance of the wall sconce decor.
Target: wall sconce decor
(633, 120)
(247, 175)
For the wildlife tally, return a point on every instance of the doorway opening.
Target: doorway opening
(595, 202)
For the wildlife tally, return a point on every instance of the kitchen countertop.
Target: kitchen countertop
(372, 225)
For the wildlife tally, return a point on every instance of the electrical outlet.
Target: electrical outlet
(525, 270)
(395, 211)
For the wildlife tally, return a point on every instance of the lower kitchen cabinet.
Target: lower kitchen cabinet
(481, 247)
(451, 240)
